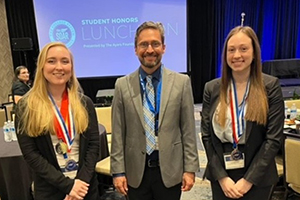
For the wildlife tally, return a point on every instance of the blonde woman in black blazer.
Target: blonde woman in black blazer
(242, 122)
(63, 158)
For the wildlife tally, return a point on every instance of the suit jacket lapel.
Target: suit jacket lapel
(45, 142)
(135, 94)
(167, 82)
(214, 98)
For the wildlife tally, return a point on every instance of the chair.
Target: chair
(291, 166)
(10, 98)
(103, 166)
(9, 110)
(279, 186)
(3, 115)
(289, 103)
(104, 118)
(104, 175)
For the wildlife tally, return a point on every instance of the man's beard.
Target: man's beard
(150, 65)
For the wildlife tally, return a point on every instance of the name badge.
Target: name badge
(156, 142)
(234, 160)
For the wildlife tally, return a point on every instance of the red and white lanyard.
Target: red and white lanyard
(63, 122)
(237, 113)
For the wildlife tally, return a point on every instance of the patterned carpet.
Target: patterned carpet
(201, 189)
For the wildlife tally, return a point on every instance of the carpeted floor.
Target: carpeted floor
(201, 189)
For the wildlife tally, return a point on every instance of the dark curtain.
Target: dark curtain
(280, 30)
(227, 16)
(276, 22)
(21, 24)
(201, 45)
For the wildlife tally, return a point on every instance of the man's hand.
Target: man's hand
(188, 180)
(79, 189)
(120, 183)
(229, 188)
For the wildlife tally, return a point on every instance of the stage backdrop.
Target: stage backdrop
(101, 33)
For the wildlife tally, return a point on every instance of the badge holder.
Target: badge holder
(234, 160)
(62, 148)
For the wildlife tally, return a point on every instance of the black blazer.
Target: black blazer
(49, 181)
(261, 143)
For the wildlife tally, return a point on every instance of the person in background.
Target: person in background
(242, 122)
(154, 153)
(57, 130)
(21, 83)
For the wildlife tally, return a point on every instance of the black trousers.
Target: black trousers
(152, 187)
(258, 193)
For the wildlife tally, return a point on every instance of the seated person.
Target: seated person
(20, 85)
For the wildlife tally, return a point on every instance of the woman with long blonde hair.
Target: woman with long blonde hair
(57, 129)
(242, 122)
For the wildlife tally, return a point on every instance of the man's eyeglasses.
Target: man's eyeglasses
(145, 45)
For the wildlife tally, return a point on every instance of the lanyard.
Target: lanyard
(237, 114)
(158, 94)
(64, 123)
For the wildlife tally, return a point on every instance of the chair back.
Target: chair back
(10, 98)
(104, 117)
(2, 116)
(292, 162)
(289, 103)
(9, 110)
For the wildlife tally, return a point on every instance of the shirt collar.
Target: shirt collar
(156, 73)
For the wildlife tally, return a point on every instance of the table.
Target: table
(15, 176)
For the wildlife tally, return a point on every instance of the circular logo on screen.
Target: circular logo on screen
(62, 31)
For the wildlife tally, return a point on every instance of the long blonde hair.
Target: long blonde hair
(257, 108)
(37, 117)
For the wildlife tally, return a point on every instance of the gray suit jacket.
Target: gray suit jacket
(176, 131)
(261, 143)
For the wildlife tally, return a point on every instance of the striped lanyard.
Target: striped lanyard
(237, 113)
(63, 122)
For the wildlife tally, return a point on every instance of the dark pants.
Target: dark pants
(152, 187)
(258, 193)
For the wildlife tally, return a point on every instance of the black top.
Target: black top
(19, 88)
(49, 182)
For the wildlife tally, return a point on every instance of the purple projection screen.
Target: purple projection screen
(101, 34)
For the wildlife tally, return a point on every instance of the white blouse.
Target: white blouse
(225, 134)
(74, 154)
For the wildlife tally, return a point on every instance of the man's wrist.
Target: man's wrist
(118, 175)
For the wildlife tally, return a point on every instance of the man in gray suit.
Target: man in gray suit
(162, 171)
